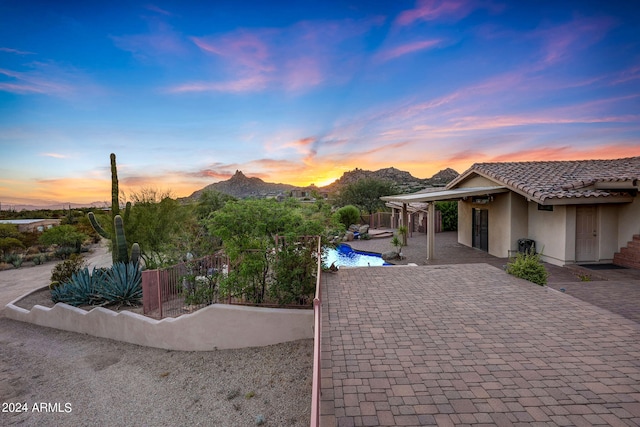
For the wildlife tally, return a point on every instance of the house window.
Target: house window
(545, 207)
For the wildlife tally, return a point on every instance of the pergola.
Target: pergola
(438, 196)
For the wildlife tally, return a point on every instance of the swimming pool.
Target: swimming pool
(345, 256)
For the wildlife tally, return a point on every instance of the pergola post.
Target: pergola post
(431, 230)
(405, 223)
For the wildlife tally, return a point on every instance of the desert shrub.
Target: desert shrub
(123, 284)
(64, 252)
(200, 286)
(248, 279)
(34, 250)
(295, 274)
(67, 237)
(83, 288)
(5, 266)
(201, 289)
(39, 259)
(10, 244)
(528, 266)
(348, 215)
(63, 271)
(16, 260)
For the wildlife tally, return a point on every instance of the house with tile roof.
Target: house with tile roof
(582, 211)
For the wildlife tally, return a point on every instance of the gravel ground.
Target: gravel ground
(63, 378)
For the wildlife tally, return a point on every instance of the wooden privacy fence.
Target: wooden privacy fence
(378, 220)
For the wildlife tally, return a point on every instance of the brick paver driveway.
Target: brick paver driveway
(469, 344)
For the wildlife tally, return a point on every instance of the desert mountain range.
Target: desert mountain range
(241, 186)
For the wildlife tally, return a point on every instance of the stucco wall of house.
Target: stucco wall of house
(570, 235)
(508, 222)
(464, 223)
(500, 225)
(519, 220)
(477, 181)
(607, 232)
(549, 230)
(628, 221)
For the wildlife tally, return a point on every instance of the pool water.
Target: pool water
(345, 256)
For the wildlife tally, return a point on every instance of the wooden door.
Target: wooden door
(586, 234)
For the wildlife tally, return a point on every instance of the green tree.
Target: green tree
(9, 230)
(348, 215)
(9, 244)
(365, 194)
(449, 212)
(155, 219)
(65, 236)
(248, 229)
(210, 201)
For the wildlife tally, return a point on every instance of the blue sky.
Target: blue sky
(186, 93)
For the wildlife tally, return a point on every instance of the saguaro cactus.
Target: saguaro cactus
(119, 249)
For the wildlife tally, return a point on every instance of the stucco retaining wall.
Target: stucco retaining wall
(218, 326)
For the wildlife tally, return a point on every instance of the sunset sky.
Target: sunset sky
(186, 93)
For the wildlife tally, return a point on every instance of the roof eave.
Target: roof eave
(593, 200)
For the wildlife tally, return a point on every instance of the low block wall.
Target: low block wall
(218, 326)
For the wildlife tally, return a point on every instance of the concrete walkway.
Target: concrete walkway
(470, 345)
(17, 282)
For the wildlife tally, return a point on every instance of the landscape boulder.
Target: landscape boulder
(388, 256)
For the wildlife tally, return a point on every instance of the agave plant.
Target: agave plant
(123, 284)
(83, 288)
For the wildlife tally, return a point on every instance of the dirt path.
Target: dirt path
(16, 282)
(81, 380)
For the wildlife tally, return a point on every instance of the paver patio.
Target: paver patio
(470, 345)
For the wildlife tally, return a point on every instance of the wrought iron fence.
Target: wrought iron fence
(183, 288)
(192, 285)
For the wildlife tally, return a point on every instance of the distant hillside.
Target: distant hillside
(405, 182)
(242, 187)
(18, 205)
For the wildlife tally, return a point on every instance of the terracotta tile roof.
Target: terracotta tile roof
(561, 179)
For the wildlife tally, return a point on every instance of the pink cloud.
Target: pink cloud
(569, 152)
(15, 51)
(248, 84)
(406, 48)
(295, 58)
(430, 10)
(627, 75)
(241, 49)
(157, 9)
(161, 40)
(35, 81)
(55, 155)
(302, 73)
(561, 42)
